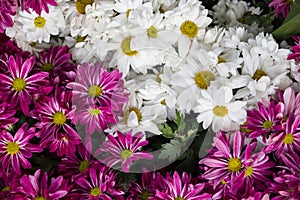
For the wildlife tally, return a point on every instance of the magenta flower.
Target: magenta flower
(56, 61)
(100, 184)
(19, 85)
(7, 116)
(37, 5)
(296, 50)
(7, 10)
(282, 6)
(55, 114)
(96, 85)
(14, 151)
(94, 118)
(286, 140)
(290, 100)
(37, 187)
(124, 149)
(182, 189)
(264, 120)
(225, 162)
(8, 186)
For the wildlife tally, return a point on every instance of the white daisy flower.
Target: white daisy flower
(38, 28)
(216, 106)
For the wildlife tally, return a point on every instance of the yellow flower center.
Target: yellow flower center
(125, 46)
(95, 111)
(137, 112)
(267, 125)
(81, 4)
(83, 165)
(19, 84)
(64, 138)
(47, 67)
(152, 32)
(203, 79)
(80, 39)
(126, 154)
(249, 171)
(40, 198)
(290, 2)
(94, 91)
(223, 182)
(189, 29)
(59, 118)
(288, 139)
(234, 164)
(39, 22)
(96, 192)
(258, 74)
(127, 12)
(220, 111)
(221, 60)
(179, 198)
(12, 148)
(144, 195)
(163, 102)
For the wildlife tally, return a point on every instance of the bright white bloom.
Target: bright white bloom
(39, 28)
(216, 106)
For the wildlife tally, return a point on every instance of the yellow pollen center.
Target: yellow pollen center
(144, 195)
(267, 125)
(234, 164)
(163, 102)
(258, 74)
(203, 79)
(152, 32)
(249, 171)
(6, 189)
(81, 4)
(95, 111)
(12, 148)
(94, 91)
(223, 182)
(137, 112)
(221, 60)
(158, 79)
(288, 139)
(127, 12)
(125, 46)
(179, 198)
(83, 165)
(189, 29)
(39, 22)
(40, 198)
(19, 84)
(290, 2)
(47, 67)
(126, 154)
(96, 192)
(220, 111)
(80, 39)
(59, 118)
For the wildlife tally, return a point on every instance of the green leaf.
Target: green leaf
(291, 24)
(178, 119)
(167, 131)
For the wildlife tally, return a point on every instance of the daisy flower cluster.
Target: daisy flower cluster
(148, 99)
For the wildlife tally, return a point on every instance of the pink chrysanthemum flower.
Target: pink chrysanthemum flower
(95, 118)
(290, 100)
(182, 189)
(264, 120)
(75, 165)
(296, 50)
(54, 115)
(287, 139)
(8, 186)
(99, 184)
(38, 187)
(7, 10)
(282, 6)
(95, 84)
(14, 151)
(20, 85)
(7, 116)
(225, 162)
(56, 61)
(37, 5)
(124, 149)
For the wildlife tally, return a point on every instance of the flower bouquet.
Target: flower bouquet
(149, 99)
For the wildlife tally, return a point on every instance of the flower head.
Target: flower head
(282, 6)
(14, 151)
(124, 149)
(38, 5)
